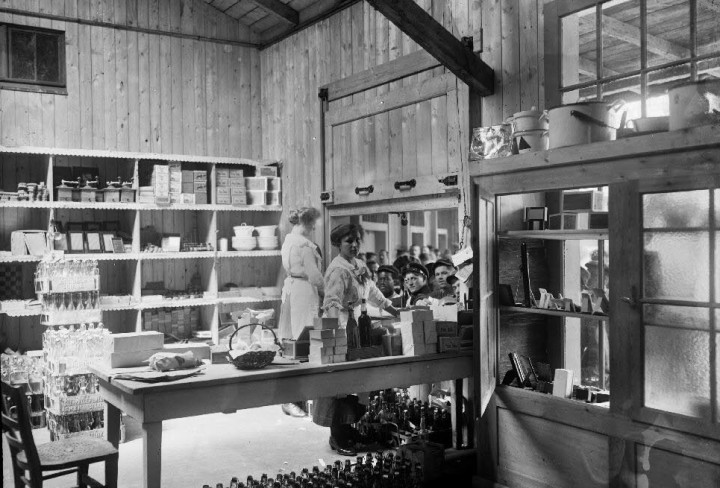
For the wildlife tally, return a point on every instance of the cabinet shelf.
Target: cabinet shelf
(554, 313)
(557, 235)
(140, 206)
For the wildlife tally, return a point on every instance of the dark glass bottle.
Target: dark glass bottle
(353, 333)
(365, 326)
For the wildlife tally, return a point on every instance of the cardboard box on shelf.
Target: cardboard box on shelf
(256, 183)
(238, 200)
(222, 181)
(274, 198)
(187, 176)
(325, 323)
(235, 173)
(222, 172)
(222, 191)
(200, 175)
(274, 184)
(200, 187)
(236, 182)
(267, 171)
(416, 315)
(201, 198)
(187, 198)
(128, 359)
(237, 190)
(430, 330)
(199, 349)
(256, 197)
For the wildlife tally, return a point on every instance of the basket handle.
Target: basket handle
(277, 342)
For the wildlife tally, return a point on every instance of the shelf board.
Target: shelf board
(556, 235)
(148, 256)
(95, 153)
(188, 302)
(140, 206)
(555, 313)
(229, 300)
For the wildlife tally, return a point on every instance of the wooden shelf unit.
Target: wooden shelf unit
(128, 273)
(515, 424)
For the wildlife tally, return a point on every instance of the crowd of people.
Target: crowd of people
(417, 276)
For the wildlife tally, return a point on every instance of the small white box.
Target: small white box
(415, 315)
(325, 323)
(136, 341)
(563, 383)
(256, 183)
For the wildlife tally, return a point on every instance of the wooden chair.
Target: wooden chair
(30, 461)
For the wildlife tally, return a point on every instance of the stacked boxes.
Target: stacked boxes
(230, 187)
(263, 190)
(161, 183)
(194, 187)
(328, 342)
(418, 330)
(175, 171)
(180, 322)
(132, 349)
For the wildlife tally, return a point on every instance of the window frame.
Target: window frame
(9, 83)
(553, 14)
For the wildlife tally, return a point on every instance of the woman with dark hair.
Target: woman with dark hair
(347, 283)
(303, 284)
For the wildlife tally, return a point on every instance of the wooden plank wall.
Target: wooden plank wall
(424, 138)
(151, 91)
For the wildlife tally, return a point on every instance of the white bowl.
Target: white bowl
(266, 230)
(243, 230)
(244, 243)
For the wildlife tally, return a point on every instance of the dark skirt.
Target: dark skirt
(331, 411)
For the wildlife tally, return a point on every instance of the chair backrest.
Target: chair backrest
(18, 431)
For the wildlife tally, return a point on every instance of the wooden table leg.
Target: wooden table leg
(152, 444)
(112, 424)
(112, 432)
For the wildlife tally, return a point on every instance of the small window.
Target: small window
(32, 58)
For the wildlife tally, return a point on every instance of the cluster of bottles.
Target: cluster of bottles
(33, 192)
(380, 471)
(393, 418)
(359, 332)
(68, 291)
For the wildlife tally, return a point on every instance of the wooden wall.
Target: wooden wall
(425, 137)
(167, 87)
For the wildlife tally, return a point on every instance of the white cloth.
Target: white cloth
(300, 294)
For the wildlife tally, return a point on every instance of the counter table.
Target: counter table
(223, 388)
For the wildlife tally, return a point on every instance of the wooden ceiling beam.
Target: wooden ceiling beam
(278, 9)
(631, 34)
(422, 28)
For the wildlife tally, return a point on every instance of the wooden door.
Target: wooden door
(484, 298)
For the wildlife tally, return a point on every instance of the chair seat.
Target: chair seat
(71, 452)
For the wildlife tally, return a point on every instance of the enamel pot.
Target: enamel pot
(694, 103)
(582, 123)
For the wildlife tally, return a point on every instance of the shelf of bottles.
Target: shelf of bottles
(74, 337)
(381, 470)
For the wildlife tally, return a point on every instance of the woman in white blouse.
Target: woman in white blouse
(304, 283)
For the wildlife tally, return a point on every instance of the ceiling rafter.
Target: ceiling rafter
(280, 10)
(432, 36)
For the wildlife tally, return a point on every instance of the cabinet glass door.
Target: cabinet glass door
(680, 302)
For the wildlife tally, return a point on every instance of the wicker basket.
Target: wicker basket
(253, 359)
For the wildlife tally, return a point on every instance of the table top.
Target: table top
(224, 374)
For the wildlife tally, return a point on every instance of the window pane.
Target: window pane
(578, 41)
(668, 25)
(674, 316)
(677, 210)
(626, 89)
(591, 362)
(708, 28)
(717, 365)
(716, 272)
(716, 197)
(22, 47)
(47, 58)
(660, 80)
(621, 37)
(677, 266)
(677, 372)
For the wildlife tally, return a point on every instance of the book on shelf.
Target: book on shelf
(524, 370)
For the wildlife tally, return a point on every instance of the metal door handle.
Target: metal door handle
(631, 300)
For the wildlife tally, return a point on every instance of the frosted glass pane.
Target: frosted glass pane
(677, 209)
(717, 365)
(677, 371)
(676, 265)
(673, 316)
(716, 272)
(717, 208)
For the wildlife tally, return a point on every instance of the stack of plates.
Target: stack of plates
(267, 243)
(244, 243)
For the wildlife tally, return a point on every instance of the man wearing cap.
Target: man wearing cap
(386, 276)
(443, 270)
(415, 277)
